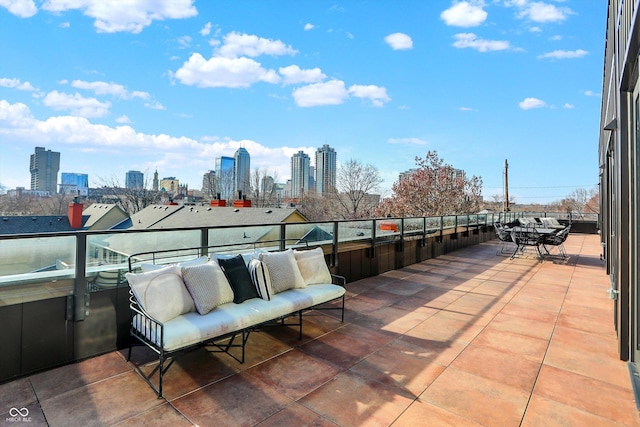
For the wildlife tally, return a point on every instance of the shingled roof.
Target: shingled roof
(36, 224)
(177, 216)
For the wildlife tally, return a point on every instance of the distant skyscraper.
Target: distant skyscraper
(156, 181)
(299, 174)
(75, 184)
(242, 172)
(325, 169)
(225, 177)
(169, 184)
(44, 166)
(134, 180)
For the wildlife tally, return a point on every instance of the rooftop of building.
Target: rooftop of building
(468, 338)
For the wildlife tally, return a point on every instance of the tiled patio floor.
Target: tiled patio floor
(467, 339)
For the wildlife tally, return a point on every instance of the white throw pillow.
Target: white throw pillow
(313, 266)
(283, 270)
(260, 277)
(207, 285)
(161, 293)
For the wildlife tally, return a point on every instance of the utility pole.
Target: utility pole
(506, 186)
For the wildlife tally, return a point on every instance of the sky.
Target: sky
(170, 85)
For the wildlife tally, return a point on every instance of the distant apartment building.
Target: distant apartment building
(156, 181)
(300, 163)
(134, 180)
(76, 184)
(325, 169)
(225, 177)
(242, 172)
(209, 184)
(44, 166)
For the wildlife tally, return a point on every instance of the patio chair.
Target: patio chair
(557, 240)
(526, 236)
(504, 235)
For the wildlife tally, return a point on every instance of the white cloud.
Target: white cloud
(236, 44)
(129, 16)
(223, 72)
(20, 8)
(113, 89)
(412, 141)
(535, 29)
(591, 93)
(76, 104)
(332, 92)
(206, 30)
(399, 41)
(470, 40)
(376, 94)
(564, 54)
(465, 14)
(466, 109)
(123, 119)
(530, 103)
(154, 105)
(555, 38)
(16, 84)
(542, 12)
(184, 41)
(308, 26)
(294, 75)
(568, 106)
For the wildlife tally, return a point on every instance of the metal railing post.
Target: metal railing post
(80, 293)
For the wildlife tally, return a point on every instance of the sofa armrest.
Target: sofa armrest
(338, 280)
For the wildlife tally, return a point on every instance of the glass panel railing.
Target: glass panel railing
(107, 254)
(449, 224)
(434, 225)
(355, 231)
(36, 268)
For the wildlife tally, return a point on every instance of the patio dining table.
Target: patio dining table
(529, 236)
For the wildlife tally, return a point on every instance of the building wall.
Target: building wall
(325, 169)
(299, 174)
(44, 166)
(618, 163)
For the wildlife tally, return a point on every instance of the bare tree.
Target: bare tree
(355, 185)
(130, 200)
(263, 188)
(433, 189)
(225, 184)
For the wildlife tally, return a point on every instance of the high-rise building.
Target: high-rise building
(325, 169)
(209, 184)
(225, 177)
(44, 166)
(156, 181)
(242, 172)
(75, 184)
(300, 163)
(169, 184)
(134, 180)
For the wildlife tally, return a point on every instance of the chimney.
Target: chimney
(74, 213)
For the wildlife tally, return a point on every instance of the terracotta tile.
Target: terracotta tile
(436, 352)
(294, 374)
(605, 346)
(522, 309)
(587, 394)
(523, 326)
(23, 414)
(351, 400)
(545, 412)
(16, 394)
(422, 413)
(60, 380)
(296, 415)
(578, 322)
(102, 403)
(516, 344)
(162, 416)
(191, 371)
(402, 287)
(476, 398)
(405, 373)
(589, 364)
(445, 328)
(497, 365)
(346, 346)
(392, 319)
(237, 400)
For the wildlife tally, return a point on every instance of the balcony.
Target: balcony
(464, 338)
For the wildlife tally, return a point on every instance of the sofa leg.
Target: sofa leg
(300, 321)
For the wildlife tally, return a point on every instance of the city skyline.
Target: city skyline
(173, 88)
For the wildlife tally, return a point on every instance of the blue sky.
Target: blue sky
(173, 84)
